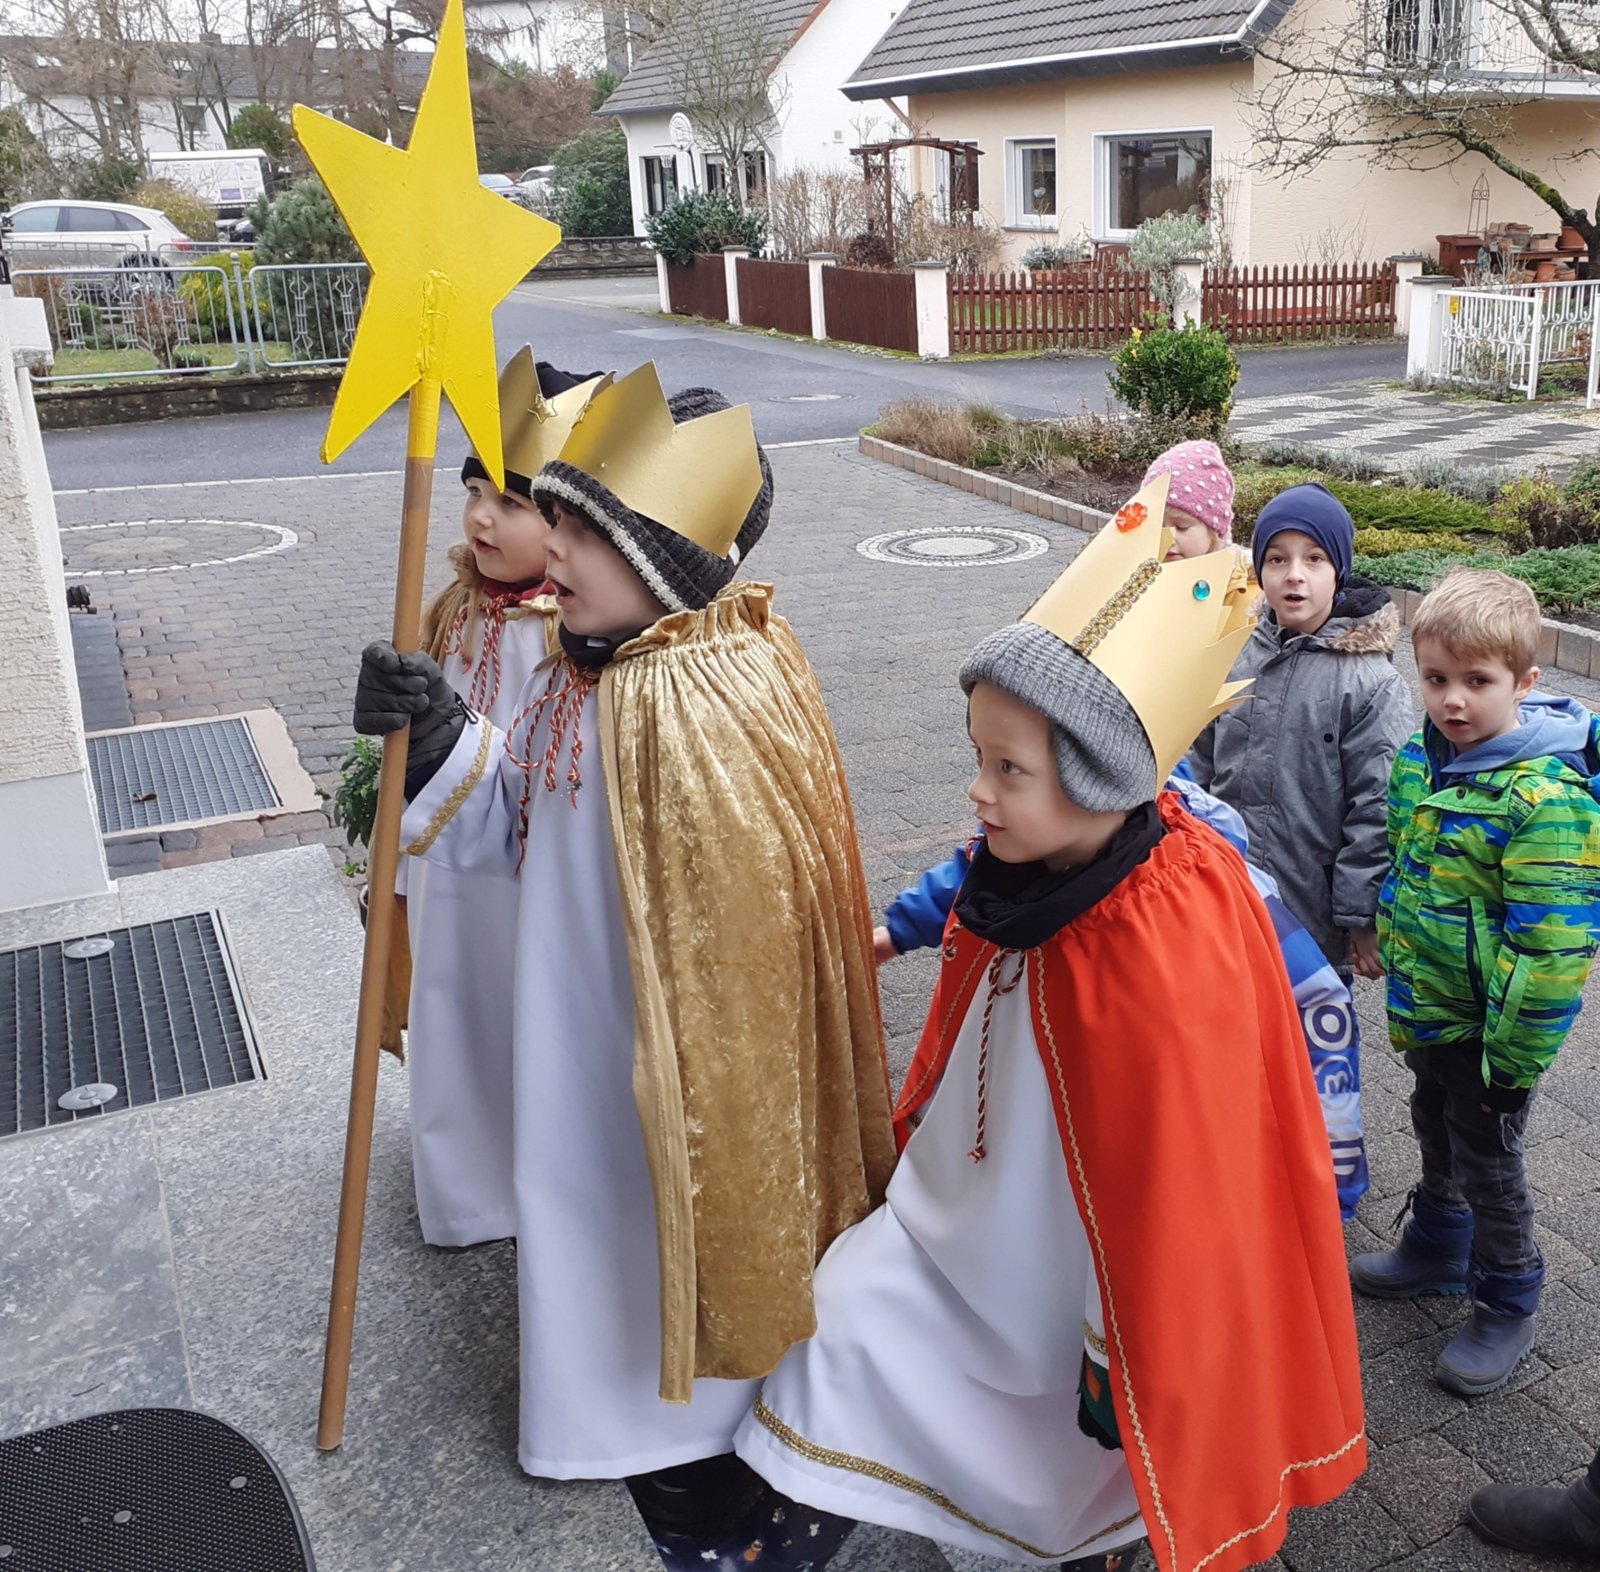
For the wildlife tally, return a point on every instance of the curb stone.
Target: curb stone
(1561, 644)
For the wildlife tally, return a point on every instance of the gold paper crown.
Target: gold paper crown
(534, 428)
(699, 479)
(1166, 633)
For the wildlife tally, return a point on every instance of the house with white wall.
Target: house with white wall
(1095, 116)
(817, 43)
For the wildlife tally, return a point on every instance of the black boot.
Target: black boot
(1431, 1257)
(1543, 1520)
(1482, 1355)
(1119, 1560)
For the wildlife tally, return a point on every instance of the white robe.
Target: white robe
(458, 1046)
(588, 1275)
(951, 1329)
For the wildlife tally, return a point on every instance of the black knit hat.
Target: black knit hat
(552, 380)
(680, 574)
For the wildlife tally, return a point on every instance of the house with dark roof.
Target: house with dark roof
(814, 45)
(1094, 115)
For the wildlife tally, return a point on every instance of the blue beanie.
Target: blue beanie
(1314, 511)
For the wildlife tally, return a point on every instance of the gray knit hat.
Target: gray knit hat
(1103, 756)
(681, 575)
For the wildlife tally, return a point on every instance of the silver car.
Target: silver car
(67, 233)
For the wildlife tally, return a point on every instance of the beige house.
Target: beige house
(1093, 115)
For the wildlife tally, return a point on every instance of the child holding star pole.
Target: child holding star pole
(443, 252)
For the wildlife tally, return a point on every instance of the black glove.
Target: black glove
(395, 690)
(1506, 1099)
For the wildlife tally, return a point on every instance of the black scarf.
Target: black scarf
(1020, 905)
(589, 653)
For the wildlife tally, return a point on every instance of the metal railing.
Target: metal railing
(1503, 337)
(218, 315)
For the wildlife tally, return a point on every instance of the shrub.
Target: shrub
(1564, 580)
(1159, 244)
(195, 216)
(1410, 508)
(112, 180)
(1583, 485)
(589, 184)
(966, 246)
(1475, 482)
(1327, 461)
(869, 250)
(302, 225)
(209, 291)
(355, 804)
(1420, 570)
(1392, 542)
(1535, 509)
(1049, 254)
(932, 428)
(260, 125)
(1167, 372)
(701, 221)
(1254, 487)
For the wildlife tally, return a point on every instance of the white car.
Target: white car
(68, 233)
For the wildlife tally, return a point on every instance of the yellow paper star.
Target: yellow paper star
(443, 250)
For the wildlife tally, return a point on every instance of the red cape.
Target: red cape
(1198, 1154)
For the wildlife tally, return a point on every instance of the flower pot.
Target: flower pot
(1543, 272)
(1571, 240)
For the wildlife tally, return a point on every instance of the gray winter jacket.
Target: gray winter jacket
(1305, 759)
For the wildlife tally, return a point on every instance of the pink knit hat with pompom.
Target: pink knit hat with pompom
(1202, 484)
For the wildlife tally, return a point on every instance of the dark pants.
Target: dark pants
(1472, 1161)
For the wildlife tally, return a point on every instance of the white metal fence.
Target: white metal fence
(1502, 338)
(219, 315)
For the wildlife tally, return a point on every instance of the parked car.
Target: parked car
(536, 182)
(90, 234)
(504, 184)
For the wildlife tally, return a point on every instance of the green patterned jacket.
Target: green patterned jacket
(1490, 914)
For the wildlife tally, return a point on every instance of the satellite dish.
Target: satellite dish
(681, 132)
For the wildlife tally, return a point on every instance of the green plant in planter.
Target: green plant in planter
(704, 221)
(355, 804)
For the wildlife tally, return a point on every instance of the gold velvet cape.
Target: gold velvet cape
(759, 1065)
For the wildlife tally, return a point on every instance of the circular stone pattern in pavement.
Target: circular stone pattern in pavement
(968, 546)
(129, 546)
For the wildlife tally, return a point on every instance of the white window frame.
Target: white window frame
(1019, 203)
(707, 162)
(1103, 181)
(940, 191)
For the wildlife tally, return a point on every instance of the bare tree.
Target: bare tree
(720, 57)
(1402, 83)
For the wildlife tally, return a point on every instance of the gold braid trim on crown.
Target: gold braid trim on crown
(1116, 608)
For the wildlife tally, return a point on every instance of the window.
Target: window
(88, 221)
(1148, 176)
(755, 173)
(955, 182)
(660, 182)
(36, 221)
(716, 174)
(1031, 184)
(126, 221)
(1424, 32)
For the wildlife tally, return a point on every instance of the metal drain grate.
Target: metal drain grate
(156, 1015)
(160, 776)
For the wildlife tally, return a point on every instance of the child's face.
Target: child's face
(1299, 580)
(1190, 538)
(506, 533)
(1026, 816)
(600, 596)
(1470, 698)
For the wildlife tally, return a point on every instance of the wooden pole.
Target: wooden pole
(422, 437)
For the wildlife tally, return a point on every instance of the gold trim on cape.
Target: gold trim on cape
(464, 789)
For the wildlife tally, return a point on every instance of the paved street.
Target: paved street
(886, 636)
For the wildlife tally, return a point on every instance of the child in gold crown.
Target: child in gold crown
(1039, 1348)
(700, 1091)
(484, 632)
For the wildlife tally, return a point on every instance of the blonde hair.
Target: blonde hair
(1481, 612)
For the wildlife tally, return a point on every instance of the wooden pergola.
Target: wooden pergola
(877, 169)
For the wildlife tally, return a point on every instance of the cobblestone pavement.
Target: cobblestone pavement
(887, 636)
(1394, 427)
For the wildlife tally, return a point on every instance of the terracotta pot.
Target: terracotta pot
(1571, 240)
(1543, 272)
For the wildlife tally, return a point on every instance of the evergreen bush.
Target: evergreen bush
(1186, 372)
(302, 225)
(699, 222)
(195, 216)
(589, 185)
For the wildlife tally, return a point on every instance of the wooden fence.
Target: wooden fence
(1259, 305)
(1075, 308)
(866, 305)
(775, 295)
(699, 288)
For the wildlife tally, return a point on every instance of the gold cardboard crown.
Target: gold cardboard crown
(699, 478)
(1166, 633)
(533, 428)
